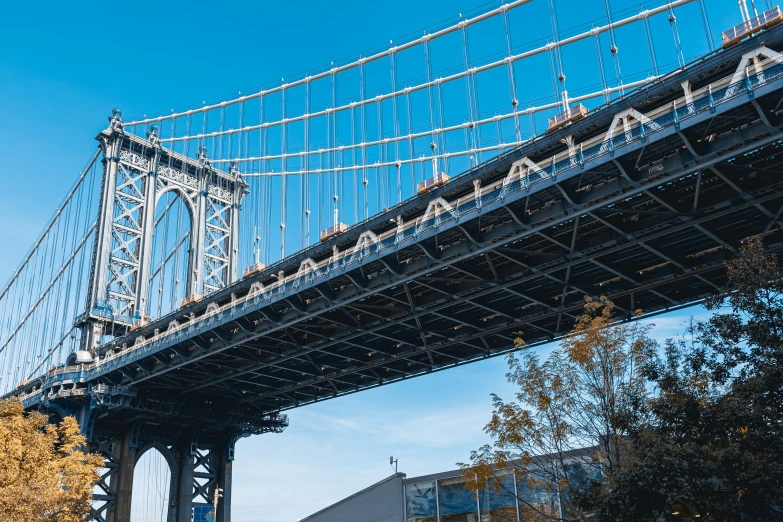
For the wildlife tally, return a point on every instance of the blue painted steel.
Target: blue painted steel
(203, 513)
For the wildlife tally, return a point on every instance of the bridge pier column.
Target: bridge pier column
(125, 456)
(184, 509)
(225, 463)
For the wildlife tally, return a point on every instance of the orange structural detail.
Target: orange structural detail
(193, 298)
(144, 321)
(572, 114)
(333, 231)
(435, 181)
(256, 268)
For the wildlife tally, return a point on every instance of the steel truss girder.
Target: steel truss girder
(728, 142)
(289, 310)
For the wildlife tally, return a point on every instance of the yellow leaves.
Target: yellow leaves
(742, 431)
(572, 399)
(44, 477)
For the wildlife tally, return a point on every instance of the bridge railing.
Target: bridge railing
(439, 212)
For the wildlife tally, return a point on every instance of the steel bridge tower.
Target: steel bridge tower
(136, 174)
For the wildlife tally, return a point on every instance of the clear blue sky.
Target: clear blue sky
(63, 66)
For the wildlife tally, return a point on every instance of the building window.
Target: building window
(420, 502)
(498, 501)
(536, 501)
(457, 503)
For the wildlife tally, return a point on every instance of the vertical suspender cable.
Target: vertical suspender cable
(320, 191)
(381, 147)
(676, 36)
(302, 201)
(333, 165)
(86, 226)
(204, 123)
(650, 43)
(395, 116)
(229, 148)
(69, 301)
(175, 282)
(222, 138)
(411, 153)
(532, 121)
(470, 85)
(50, 330)
(498, 131)
(553, 70)
(162, 266)
(601, 71)
(240, 136)
(558, 57)
(706, 21)
(441, 124)
(260, 211)
(306, 160)
(613, 48)
(355, 186)
(430, 106)
(363, 96)
(512, 84)
(188, 126)
(283, 178)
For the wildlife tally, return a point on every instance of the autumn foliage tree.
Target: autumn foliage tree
(44, 474)
(576, 398)
(708, 444)
(691, 430)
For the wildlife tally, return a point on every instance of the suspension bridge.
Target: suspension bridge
(155, 308)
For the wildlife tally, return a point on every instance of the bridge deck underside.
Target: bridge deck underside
(658, 247)
(649, 226)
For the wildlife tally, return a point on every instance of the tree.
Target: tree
(44, 475)
(565, 427)
(707, 443)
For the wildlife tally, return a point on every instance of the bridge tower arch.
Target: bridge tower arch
(154, 453)
(137, 173)
(168, 273)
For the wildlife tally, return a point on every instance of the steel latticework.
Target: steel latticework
(641, 199)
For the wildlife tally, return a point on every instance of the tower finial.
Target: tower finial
(115, 120)
(201, 156)
(153, 136)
